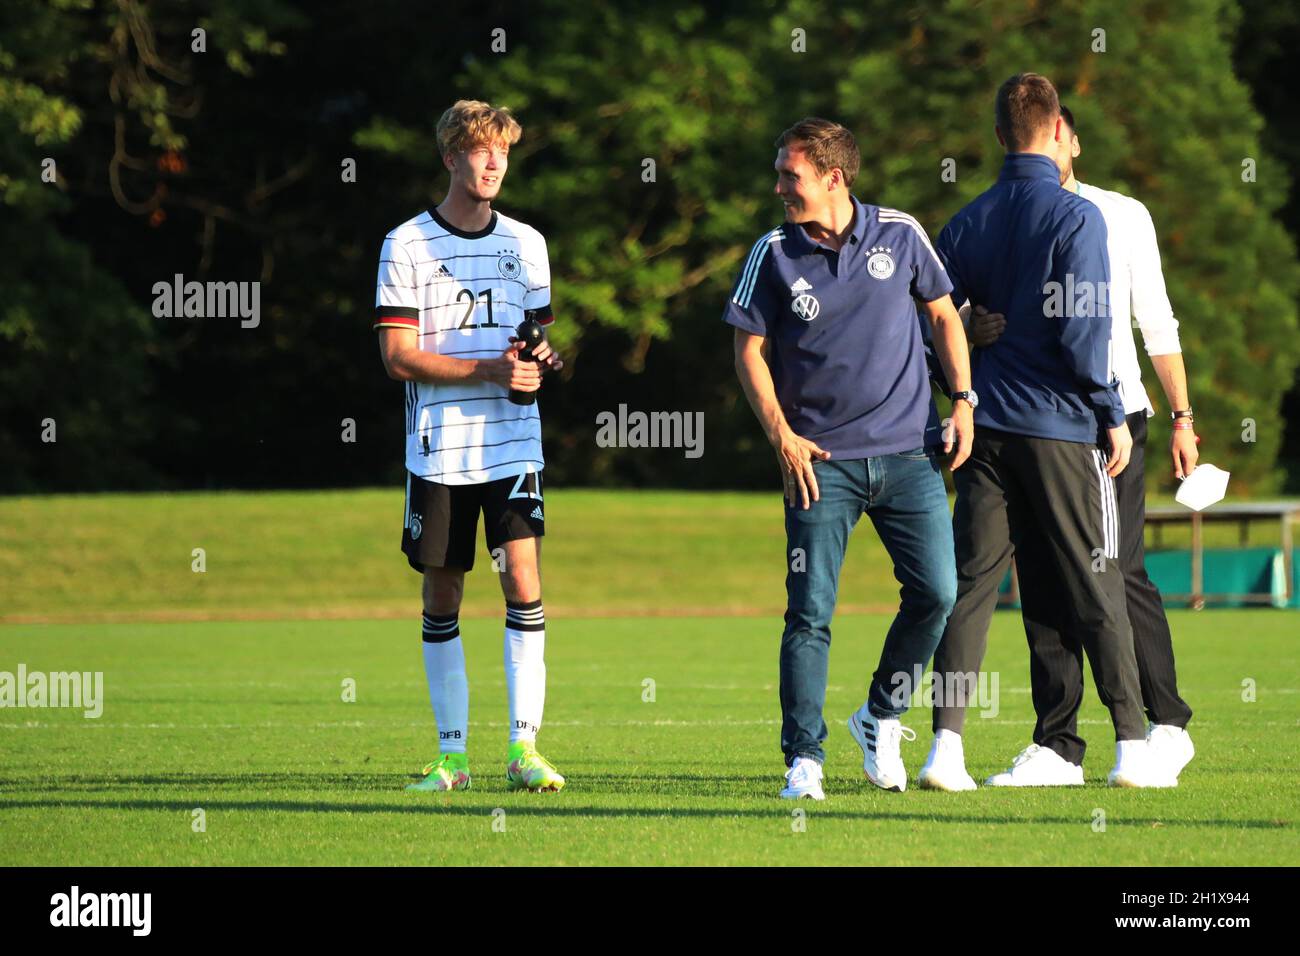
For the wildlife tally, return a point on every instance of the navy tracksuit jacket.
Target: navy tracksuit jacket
(1049, 374)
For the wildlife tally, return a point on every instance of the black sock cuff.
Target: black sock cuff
(440, 628)
(525, 615)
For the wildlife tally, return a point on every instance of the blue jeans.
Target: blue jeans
(905, 497)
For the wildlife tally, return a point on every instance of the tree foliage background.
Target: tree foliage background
(226, 164)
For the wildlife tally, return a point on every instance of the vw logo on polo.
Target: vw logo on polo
(806, 307)
(508, 266)
(881, 263)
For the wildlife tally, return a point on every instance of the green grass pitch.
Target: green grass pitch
(246, 721)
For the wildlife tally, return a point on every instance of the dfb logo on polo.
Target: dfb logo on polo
(416, 527)
(806, 307)
(881, 263)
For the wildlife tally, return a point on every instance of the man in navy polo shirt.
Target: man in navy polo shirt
(831, 358)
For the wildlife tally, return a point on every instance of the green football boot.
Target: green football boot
(448, 772)
(526, 769)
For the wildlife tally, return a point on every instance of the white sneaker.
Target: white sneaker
(1138, 765)
(882, 763)
(945, 768)
(1037, 766)
(1171, 745)
(803, 779)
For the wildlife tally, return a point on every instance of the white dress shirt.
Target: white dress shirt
(1137, 292)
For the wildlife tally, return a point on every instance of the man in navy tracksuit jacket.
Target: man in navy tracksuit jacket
(1050, 435)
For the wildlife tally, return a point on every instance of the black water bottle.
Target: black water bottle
(531, 334)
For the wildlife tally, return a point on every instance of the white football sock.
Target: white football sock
(444, 668)
(524, 656)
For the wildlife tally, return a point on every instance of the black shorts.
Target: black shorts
(442, 520)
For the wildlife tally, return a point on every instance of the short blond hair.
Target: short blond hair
(472, 123)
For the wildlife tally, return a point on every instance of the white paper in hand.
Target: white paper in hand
(1203, 487)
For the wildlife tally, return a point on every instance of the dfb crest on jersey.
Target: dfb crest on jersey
(880, 264)
(806, 307)
(417, 527)
(508, 266)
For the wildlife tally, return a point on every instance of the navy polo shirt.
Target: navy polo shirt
(844, 345)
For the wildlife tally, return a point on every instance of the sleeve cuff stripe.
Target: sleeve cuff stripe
(542, 315)
(397, 312)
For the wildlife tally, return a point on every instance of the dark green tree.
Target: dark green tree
(646, 161)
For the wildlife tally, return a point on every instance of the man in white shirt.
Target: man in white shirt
(1137, 297)
(455, 282)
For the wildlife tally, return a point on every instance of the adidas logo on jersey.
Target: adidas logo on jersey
(800, 285)
(537, 514)
(443, 272)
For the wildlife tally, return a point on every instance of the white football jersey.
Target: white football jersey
(465, 293)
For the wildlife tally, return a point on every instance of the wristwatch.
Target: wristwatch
(968, 396)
